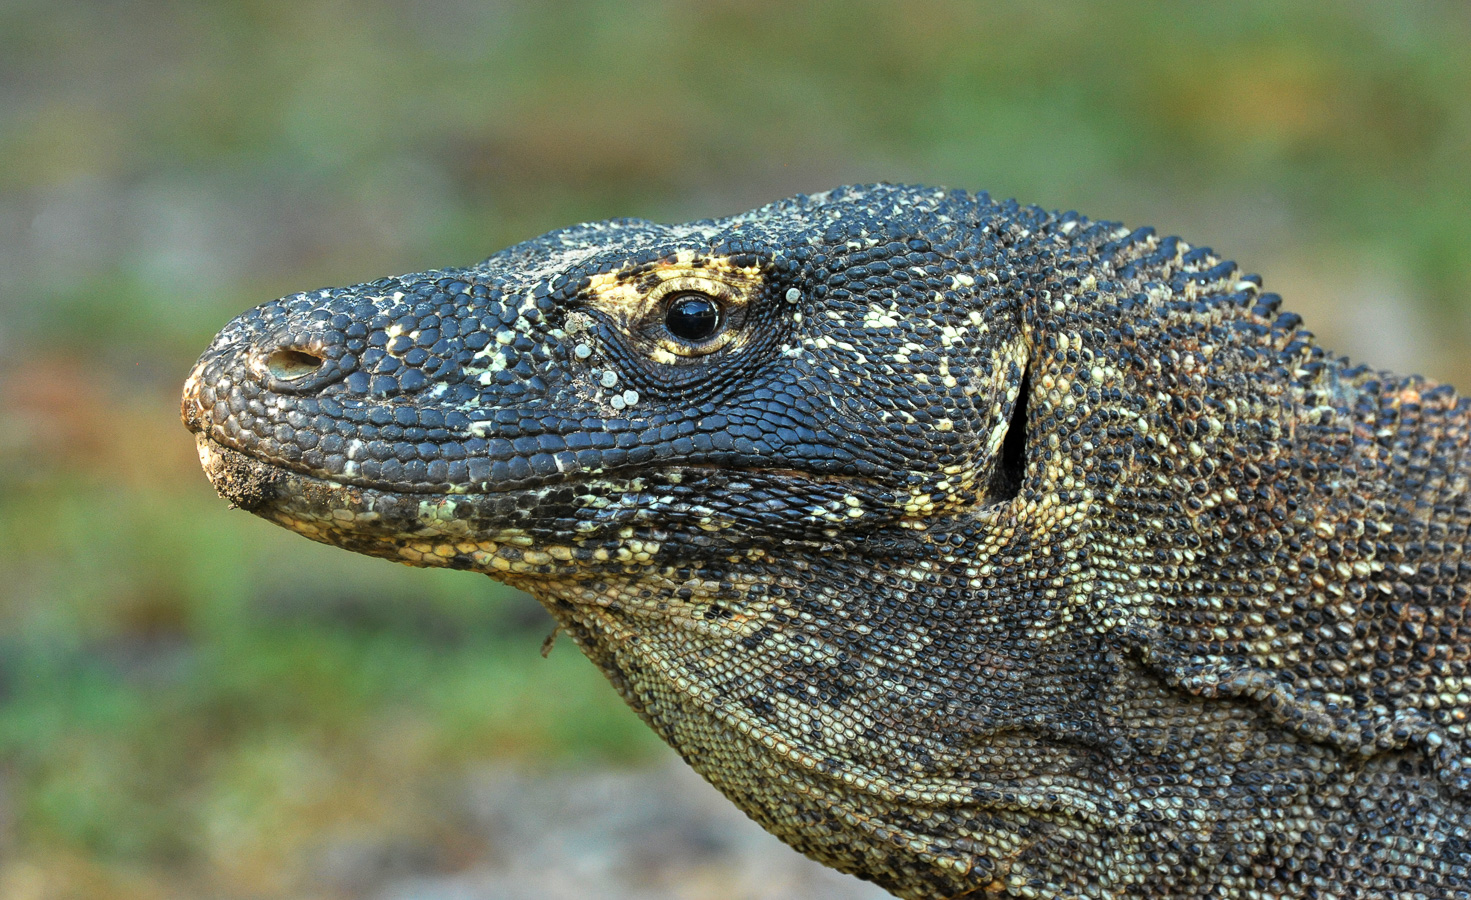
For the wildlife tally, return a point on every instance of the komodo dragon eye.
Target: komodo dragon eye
(693, 318)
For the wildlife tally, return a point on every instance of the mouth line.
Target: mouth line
(249, 476)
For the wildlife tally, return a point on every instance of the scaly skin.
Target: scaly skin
(972, 549)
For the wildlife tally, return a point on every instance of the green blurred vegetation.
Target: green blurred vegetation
(191, 701)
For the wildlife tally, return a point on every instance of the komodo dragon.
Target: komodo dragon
(973, 549)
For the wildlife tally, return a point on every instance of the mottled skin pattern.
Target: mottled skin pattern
(980, 551)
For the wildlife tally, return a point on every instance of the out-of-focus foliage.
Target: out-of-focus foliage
(194, 703)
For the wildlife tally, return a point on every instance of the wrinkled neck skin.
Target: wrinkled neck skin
(801, 681)
(1063, 656)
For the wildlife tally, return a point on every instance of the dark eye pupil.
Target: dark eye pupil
(693, 318)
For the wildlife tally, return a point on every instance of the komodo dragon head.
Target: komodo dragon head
(830, 490)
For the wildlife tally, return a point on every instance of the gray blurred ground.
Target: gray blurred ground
(657, 833)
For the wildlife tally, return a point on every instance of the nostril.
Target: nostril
(298, 367)
(292, 365)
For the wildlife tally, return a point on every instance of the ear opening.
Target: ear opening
(1011, 467)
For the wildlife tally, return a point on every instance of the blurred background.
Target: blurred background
(194, 703)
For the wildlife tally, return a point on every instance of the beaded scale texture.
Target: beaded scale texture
(970, 548)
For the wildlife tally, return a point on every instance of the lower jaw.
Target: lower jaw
(402, 527)
(475, 532)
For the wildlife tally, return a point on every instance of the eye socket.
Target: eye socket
(693, 318)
